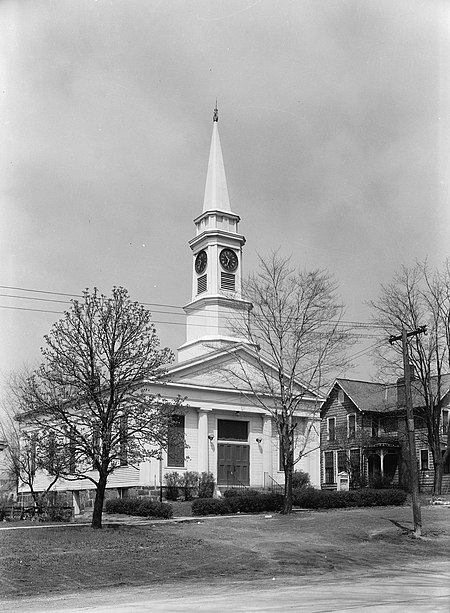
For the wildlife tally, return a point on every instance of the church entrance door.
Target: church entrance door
(233, 465)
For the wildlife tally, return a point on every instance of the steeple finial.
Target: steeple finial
(216, 113)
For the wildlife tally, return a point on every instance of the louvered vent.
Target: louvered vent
(227, 281)
(202, 284)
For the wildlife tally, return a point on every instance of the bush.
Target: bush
(173, 482)
(240, 491)
(206, 485)
(238, 503)
(256, 503)
(310, 498)
(189, 483)
(140, 507)
(300, 480)
(210, 506)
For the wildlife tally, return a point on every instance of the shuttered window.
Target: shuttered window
(351, 425)
(329, 466)
(424, 459)
(202, 284)
(331, 428)
(175, 447)
(227, 281)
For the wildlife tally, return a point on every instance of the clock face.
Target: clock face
(228, 259)
(201, 261)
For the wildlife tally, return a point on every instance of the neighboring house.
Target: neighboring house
(363, 432)
(7, 485)
(226, 432)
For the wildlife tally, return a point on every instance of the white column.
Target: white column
(202, 442)
(76, 502)
(382, 452)
(267, 445)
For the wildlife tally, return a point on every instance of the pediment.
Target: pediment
(238, 368)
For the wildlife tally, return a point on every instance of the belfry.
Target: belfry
(216, 306)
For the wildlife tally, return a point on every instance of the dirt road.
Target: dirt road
(411, 589)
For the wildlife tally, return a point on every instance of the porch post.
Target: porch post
(382, 452)
(202, 441)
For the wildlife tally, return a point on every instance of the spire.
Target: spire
(216, 191)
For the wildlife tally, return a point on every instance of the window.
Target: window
(445, 414)
(227, 281)
(230, 430)
(175, 447)
(424, 459)
(390, 424)
(342, 462)
(202, 284)
(351, 426)
(331, 425)
(341, 396)
(375, 427)
(446, 465)
(329, 466)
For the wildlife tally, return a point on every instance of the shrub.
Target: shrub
(300, 480)
(189, 483)
(240, 491)
(238, 503)
(210, 506)
(140, 507)
(173, 482)
(206, 485)
(256, 503)
(310, 498)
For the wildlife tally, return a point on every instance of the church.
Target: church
(226, 432)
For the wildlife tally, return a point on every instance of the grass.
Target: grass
(58, 559)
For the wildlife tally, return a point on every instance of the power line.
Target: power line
(355, 324)
(170, 323)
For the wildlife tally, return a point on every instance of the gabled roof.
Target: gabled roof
(367, 396)
(384, 398)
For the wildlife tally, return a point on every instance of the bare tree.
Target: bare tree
(421, 296)
(294, 327)
(93, 391)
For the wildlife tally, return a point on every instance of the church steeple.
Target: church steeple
(216, 190)
(216, 265)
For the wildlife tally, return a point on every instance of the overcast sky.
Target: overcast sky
(334, 123)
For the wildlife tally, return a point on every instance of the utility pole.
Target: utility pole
(417, 515)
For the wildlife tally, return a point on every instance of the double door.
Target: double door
(233, 464)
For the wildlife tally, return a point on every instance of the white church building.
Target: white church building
(226, 432)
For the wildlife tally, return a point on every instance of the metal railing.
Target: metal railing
(272, 485)
(233, 481)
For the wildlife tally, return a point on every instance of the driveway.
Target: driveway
(411, 589)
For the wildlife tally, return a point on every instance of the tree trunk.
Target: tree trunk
(437, 481)
(287, 507)
(98, 502)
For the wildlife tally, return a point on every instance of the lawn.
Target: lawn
(56, 559)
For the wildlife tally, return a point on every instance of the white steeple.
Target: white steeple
(217, 302)
(216, 190)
